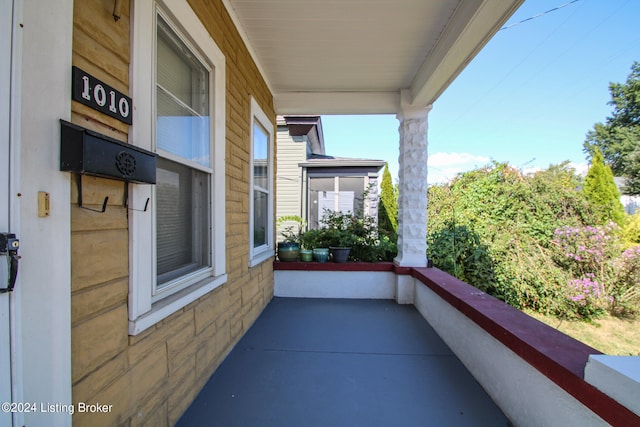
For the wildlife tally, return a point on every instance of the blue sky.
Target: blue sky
(528, 98)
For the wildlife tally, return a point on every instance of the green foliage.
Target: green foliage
(526, 276)
(498, 197)
(535, 242)
(626, 293)
(631, 229)
(458, 250)
(586, 250)
(601, 191)
(587, 254)
(291, 227)
(312, 239)
(499, 225)
(587, 298)
(357, 231)
(619, 137)
(388, 207)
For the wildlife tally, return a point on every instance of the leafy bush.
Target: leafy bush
(587, 254)
(535, 242)
(458, 250)
(626, 292)
(314, 239)
(512, 218)
(587, 297)
(631, 229)
(291, 227)
(357, 231)
(586, 250)
(526, 276)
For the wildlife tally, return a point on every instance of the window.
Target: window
(183, 202)
(261, 201)
(177, 247)
(335, 193)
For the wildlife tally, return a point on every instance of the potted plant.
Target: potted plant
(306, 255)
(340, 243)
(289, 248)
(315, 241)
(321, 254)
(337, 233)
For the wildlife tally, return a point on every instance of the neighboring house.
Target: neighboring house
(631, 203)
(310, 181)
(135, 306)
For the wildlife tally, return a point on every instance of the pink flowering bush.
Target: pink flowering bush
(584, 250)
(588, 254)
(587, 297)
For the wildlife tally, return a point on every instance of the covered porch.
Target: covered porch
(342, 362)
(379, 344)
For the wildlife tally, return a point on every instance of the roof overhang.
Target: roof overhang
(309, 126)
(354, 57)
(343, 162)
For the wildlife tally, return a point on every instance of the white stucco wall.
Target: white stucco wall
(525, 395)
(334, 284)
(616, 376)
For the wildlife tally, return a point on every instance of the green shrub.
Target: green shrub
(459, 251)
(291, 227)
(587, 298)
(601, 190)
(357, 231)
(312, 239)
(526, 276)
(388, 206)
(508, 219)
(631, 229)
(587, 254)
(626, 289)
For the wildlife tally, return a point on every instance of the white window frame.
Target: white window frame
(145, 309)
(266, 251)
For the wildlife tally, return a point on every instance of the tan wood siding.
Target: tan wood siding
(288, 179)
(151, 378)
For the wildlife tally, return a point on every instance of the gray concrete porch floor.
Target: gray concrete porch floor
(331, 362)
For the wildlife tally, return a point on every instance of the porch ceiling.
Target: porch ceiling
(355, 56)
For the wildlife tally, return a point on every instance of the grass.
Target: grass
(610, 335)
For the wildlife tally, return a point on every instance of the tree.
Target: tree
(618, 139)
(388, 209)
(601, 191)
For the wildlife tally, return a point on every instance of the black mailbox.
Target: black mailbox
(89, 153)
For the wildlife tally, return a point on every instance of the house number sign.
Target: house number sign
(95, 94)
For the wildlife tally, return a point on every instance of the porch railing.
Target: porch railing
(533, 372)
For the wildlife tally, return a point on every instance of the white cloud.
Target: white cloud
(581, 168)
(445, 166)
(532, 170)
(456, 159)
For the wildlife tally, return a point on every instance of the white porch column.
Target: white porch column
(412, 175)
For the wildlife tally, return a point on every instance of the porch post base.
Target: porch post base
(405, 289)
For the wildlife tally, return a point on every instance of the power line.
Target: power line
(506, 75)
(538, 15)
